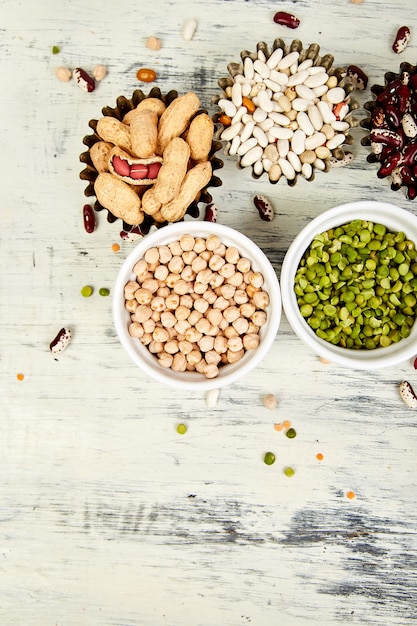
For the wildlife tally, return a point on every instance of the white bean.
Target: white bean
(275, 58)
(298, 141)
(288, 60)
(234, 145)
(300, 104)
(283, 146)
(251, 156)
(266, 124)
(237, 94)
(319, 164)
(248, 68)
(279, 77)
(314, 141)
(188, 30)
(304, 92)
(232, 131)
(316, 80)
(298, 78)
(264, 101)
(340, 126)
(326, 112)
(335, 141)
(317, 69)
(247, 145)
(320, 91)
(259, 115)
(260, 136)
(305, 65)
(227, 106)
(279, 118)
(258, 168)
(262, 68)
(336, 95)
(294, 159)
(278, 132)
(287, 169)
(306, 170)
(261, 55)
(239, 115)
(315, 117)
(247, 131)
(304, 123)
(266, 164)
(275, 87)
(246, 89)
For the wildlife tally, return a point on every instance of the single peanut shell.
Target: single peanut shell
(99, 153)
(118, 198)
(200, 137)
(112, 130)
(150, 104)
(175, 162)
(144, 133)
(150, 203)
(176, 118)
(196, 178)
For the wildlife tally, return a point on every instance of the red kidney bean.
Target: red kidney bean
(153, 169)
(401, 39)
(389, 137)
(389, 91)
(83, 80)
(403, 95)
(407, 175)
(88, 218)
(265, 208)
(411, 192)
(378, 118)
(138, 171)
(389, 164)
(286, 19)
(358, 77)
(393, 116)
(410, 154)
(121, 166)
(210, 214)
(61, 341)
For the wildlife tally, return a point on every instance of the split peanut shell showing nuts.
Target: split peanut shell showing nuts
(286, 111)
(126, 153)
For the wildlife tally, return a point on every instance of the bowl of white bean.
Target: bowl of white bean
(196, 305)
(349, 285)
(286, 112)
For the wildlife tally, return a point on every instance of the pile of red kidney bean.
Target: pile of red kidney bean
(393, 129)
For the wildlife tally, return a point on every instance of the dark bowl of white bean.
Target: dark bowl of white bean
(196, 305)
(286, 112)
(349, 285)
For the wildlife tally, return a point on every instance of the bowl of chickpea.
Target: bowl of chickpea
(196, 305)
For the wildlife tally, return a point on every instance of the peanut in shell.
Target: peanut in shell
(119, 198)
(175, 119)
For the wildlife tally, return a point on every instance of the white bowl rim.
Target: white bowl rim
(394, 218)
(193, 381)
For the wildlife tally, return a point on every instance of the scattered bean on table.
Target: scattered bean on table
(269, 458)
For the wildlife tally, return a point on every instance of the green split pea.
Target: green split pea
(356, 285)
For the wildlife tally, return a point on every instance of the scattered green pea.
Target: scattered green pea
(86, 291)
(181, 429)
(56, 49)
(356, 285)
(291, 433)
(289, 471)
(269, 458)
(103, 291)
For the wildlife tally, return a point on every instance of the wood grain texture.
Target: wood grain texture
(109, 517)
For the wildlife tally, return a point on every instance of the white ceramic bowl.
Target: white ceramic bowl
(228, 374)
(395, 219)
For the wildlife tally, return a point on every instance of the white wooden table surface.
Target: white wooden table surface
(108, 517)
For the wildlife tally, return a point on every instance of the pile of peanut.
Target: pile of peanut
(154, 161)
(196, 304)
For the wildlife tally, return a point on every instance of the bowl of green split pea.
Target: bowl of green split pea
(349, 285)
